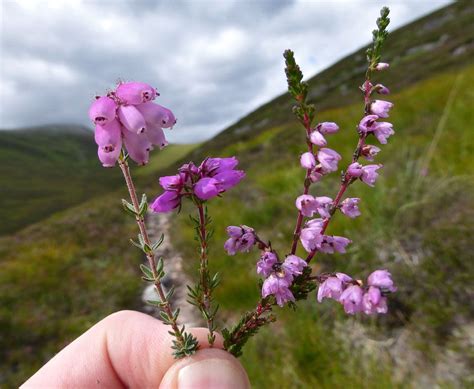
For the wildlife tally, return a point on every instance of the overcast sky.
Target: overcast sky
(212, 61)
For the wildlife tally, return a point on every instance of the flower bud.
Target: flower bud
(307, 160)
(135, 93)
(138, 147)
(102, 110)
(317, 139)
(132, 119)
(382, 66)
(354, 170)
(109, 134)
(157, 115)
(327, 128)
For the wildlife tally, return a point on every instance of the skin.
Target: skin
(132, 350)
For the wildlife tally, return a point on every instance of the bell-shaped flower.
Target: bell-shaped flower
(318, 139)
(109, 134)
(307, 160)
(131, 119)
(138, 147)
(369, 174)
(277, 285)
(135, 92)
(382, 131)
(166, 202)
(108, 155)
(351, 299)
(103, 110)
(266, 262)
(157, 115)
(294, 265)
(350, 207)
(324, 205)
(368, 123)
(328, 159)
(382, 279)
(206, 188)
(381, 108)
(307, 204)
(327, 128)
(156, 136)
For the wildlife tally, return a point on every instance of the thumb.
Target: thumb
(208, 369)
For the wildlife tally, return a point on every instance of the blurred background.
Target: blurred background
(65, 259)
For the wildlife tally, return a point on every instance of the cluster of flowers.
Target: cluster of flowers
(353, 296)
(211, 178)
(127, 115)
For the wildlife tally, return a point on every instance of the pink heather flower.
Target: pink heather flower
(213, 166)
(156, 136)
(278, 286)
(138, 146)
(108, 136)
(369, 174)
(367, 123)
(369, 152)
(206, 188)
(135, 92)
(327, 128)
(316, 175)
(317, 139)
(344, 277)
(331, 288)
(240, 239)
(382, 131)
(307, 160)
(382, 89)
(311, 236)
(332, 244)
(349, 207)
(351, 299)
(382, 66)
(324, 205)
(265, 263)
(381, 108)
(294, 265)
(354, 170)
(157, 115)
(382, 279)
(108, 156)
(373, 302)
(171, 183)
(166, 202)
(328, 159)
(307, 204)
(131, 119)
(235, 232)
(102, 110)
(228, 179)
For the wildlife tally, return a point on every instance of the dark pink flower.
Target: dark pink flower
(328, 159)
(350, 207)
(138, 146)
(156, 136)
(228, 179)
(135, 92)
(381, 89)
(108, 156)
(157, 115)
(166, 202)
(369, 174)
(206, 188)
(131, 119)
(102, 110)
(351, 299)
(108, 136)
(171, 183)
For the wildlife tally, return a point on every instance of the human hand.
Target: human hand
(133, 350)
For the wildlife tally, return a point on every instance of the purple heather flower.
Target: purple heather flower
(369, 174)
(240, 239)
(311, 236)
(382, 131)
(135, 92)
(175, 182)
(235, 231)
(381, 108)
(131, 118)
(324, 205)
(108, 156)
(373, 302)
(332, 288)
(317, 139)
(349, 207)
(108, 136)
(332, 244)
(328, 159)
(327, 128)
(382, 89)
(369, 152)
(344, 277)
(138, 146)
(156, 136)
(354, 169)
(206, 188)
(382, 279)
(265, 263)
(316, 175)
(156, 115)
(102, 110)
(307, 204)
(351, 299)
(166, 202)
(367, 123)
(212, 166)
(277, 285)
(294, 265)
(228, 179)
(382, 66)
(307, 160)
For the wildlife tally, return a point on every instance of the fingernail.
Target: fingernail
(212, 373)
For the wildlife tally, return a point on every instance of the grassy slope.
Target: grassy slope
(420, 234)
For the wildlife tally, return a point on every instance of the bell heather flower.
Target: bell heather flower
(382, 279)
(131, 118)
(294, 265)
(373, 302)
(354, 170)
(265, 263)
(135, 92)
(240, 239)
(277, 285)
(307, 160)
(317, 139)
(369, 152)
(351, 299)
(328, 159)
(108, 136)
(138, 146)
(206, 188)
(156, 136)
(349, 207)
(102, 110)
(307, 204)
(369, 174)
(381, 108)
(382, 66)
(382, 131)
(166, 202)
(327, 128)
(175, 182)
(108, 156)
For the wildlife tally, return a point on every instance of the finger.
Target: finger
(207, 369)
(126, 349)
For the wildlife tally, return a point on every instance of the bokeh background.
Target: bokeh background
(65, 260)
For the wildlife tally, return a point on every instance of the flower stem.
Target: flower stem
(165, 304)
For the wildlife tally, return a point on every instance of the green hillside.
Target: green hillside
(61, 275)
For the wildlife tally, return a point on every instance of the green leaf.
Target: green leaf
(128, 207)
(158, 242)
(147, 272)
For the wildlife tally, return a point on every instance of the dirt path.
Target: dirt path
(173, 265)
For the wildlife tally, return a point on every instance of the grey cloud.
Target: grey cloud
(212, 61)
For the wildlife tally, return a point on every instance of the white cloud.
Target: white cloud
(212, 61)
